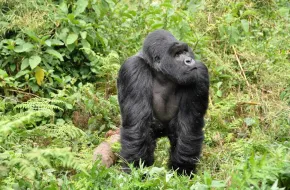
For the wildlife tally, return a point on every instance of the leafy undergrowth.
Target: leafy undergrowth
(58, 67)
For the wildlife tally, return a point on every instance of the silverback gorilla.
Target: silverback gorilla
(163, 91)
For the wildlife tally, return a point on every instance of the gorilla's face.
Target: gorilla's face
(172, 58)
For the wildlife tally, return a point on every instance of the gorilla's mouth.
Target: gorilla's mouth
(190, 70)
(193, 68)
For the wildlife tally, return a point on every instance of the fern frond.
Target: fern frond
(24, 165)
(62, 156)
(64, 131)
(33, 162)
(41, 104)
(7, 126)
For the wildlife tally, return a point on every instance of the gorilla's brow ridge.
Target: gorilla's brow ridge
(177, 46)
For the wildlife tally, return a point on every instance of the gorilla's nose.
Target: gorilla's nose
(189, 61)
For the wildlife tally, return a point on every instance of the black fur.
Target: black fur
(158, 72)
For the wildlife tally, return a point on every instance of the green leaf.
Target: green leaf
(81, 7)
(63, 34)
(157, 25)
(219, 93)
(45, 38)
(249, 12)
(84, 35)
(12, 66)
(21, 73)
(284, 12)
(155, 170)
(167, 5)
(63, 7)
(233, 33)
(55, 54)
(24, 64)
(48, 43)
(69, 106)
(86, 44)
(249, 121)
(72, 37)
(207, 178)
(32, 35)
(245, 25)
(71, 47)
(34, 61)
(53, 42)
(34, 87)
(217, 184)
(26, 47)
(4, 24)
(71, 18)
(3, 74)
(19, 41)
(56, 42)
(219, 84)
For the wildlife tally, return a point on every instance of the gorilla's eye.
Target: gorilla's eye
(179, 53)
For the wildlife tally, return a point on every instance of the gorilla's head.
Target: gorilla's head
(173, 58)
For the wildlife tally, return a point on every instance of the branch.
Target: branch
(240, 65)
(22, 92)
(249, 103)
(104, 150)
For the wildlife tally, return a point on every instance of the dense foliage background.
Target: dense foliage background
(58, 66)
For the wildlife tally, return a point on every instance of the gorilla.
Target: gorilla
(163, 91)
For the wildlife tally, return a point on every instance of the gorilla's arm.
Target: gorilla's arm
(187, 144)
(135, 97)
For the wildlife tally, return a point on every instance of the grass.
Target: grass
(26, 15)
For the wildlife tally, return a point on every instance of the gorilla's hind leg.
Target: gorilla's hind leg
(186, 145)
(137, 146)
(186, 154)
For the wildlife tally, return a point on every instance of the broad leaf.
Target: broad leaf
(72, 37)
(34, 61)
(55, 54)
(71, 47)
(249, 121)
(12, 66)
(157, 25)
(21, 73)
(86, 44)
(53, 42)
(26, 47)
(84, 35)
(34, 87)
(32, 35)
(39, 75)
(63, 7)
(3, 74)
(245, 25)
(81, 7)
(219, 93)
(24, 64)
(56, 42)
(48, 43)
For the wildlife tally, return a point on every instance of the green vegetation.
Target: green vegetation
(58, 66)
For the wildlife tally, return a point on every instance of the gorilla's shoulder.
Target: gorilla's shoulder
(134, 63)
(133, 70)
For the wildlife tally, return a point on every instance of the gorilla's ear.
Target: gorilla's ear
(156, 59)
(157, 63)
